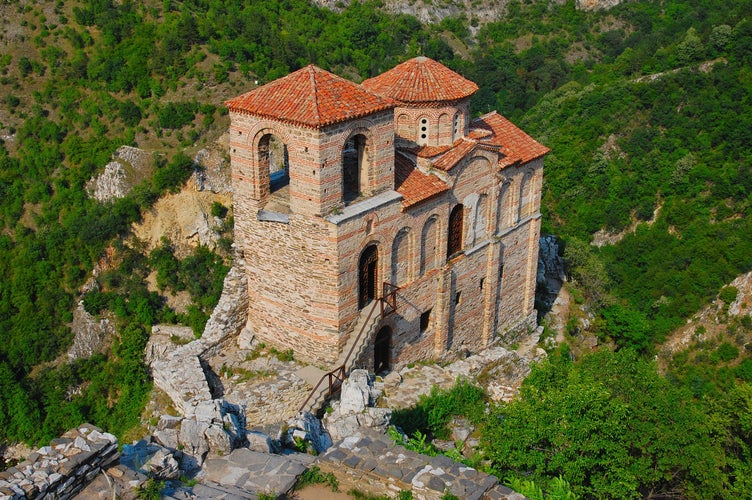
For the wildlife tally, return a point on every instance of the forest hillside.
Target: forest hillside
(647, 108)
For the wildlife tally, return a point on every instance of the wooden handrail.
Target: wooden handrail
(387, 305)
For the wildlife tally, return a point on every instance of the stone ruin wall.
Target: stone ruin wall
(63, 468)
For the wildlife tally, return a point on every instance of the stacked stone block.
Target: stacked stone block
(63, 468)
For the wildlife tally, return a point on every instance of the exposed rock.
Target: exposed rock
(354, 409)
(260, 442)
(89, 333)
(128, 165)
(185, 219)
(429, 12)
(245, 473)
(150, 459)
(215, 175)
(218, 440)
(306, 427)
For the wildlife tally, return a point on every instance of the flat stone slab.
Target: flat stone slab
(374, 459)
(246, 471)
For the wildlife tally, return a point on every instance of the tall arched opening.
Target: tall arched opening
(368, 275)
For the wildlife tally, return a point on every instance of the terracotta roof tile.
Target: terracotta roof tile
(460, 149)
(414, 185)
(515, 144)
(311, 97)
(421, 80)
(428, 151)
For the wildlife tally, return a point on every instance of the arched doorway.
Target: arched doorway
(367, 275)
(381, 355)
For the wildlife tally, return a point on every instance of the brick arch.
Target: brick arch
(357, 165)
(370, 271)
(430, 244)
(444, 135)
(405, 127)
(401, 261)
(261, 168)
(504, 208)
(527, 187)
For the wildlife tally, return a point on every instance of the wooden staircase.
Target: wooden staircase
(369, 318)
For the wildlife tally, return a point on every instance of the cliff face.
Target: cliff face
(485, 11)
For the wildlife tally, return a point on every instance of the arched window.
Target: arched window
(401, 258)
(454, 236)
(428, 245)
(274, 171)
(456, 128)
(354, 168)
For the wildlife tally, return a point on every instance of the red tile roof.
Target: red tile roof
(515, 144)
(421, 80)
(428, 151)
(460, 149)
(414, 185)
(310, 97)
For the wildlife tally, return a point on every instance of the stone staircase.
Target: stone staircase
(364, 330)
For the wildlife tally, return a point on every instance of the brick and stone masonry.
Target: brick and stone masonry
(341, 187)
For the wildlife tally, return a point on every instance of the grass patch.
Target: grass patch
(315, 476)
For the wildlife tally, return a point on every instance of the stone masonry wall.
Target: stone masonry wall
(302, 267)
(63, 468)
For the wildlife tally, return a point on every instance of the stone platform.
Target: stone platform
(372, 463)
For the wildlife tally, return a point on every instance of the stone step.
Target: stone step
(310, 374)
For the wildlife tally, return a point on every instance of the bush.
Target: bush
(173, 175)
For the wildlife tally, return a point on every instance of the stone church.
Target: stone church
(379, 220)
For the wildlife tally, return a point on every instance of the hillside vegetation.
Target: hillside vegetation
(647, 108)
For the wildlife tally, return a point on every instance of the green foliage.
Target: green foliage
(728, 294)
(433, 412)
(609, 425)
(559, 489)
(315, 476)
(628, 328)
(172, 176)
(150, 490)
(284, 356)
(218, 210)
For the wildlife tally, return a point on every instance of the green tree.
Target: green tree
(611, 426)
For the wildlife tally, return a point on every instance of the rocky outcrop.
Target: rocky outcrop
(551, 274)
(63, 468)
(484, 12)
(355, 408)
(89, 333)
(305, 432)
(214, 174)
(119, 176)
